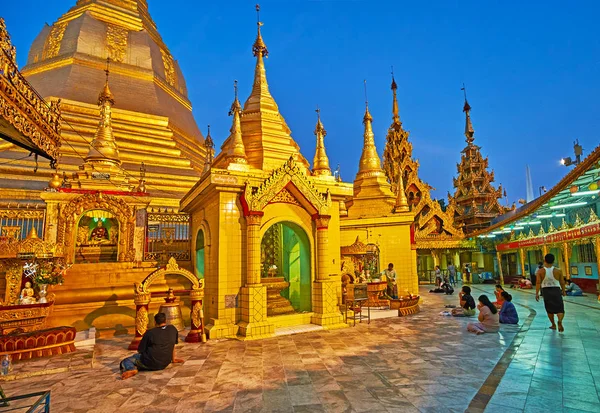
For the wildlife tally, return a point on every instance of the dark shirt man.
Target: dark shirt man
(156, 350)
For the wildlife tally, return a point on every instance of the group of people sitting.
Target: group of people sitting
(490, 314)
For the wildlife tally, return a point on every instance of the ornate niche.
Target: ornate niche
(79, 228)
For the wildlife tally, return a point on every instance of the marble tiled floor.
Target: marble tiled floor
(423, 363)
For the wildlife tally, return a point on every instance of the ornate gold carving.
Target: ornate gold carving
(358, 248)
(285, 197)
(22, 213)
(563, 225)
(172, 265)
(169, 217)
(551, 228)
(197, 314)
(53, 41)
(171, 268)
(170, 75)
(116, 42)
(593, 217)
(71, 212)
(257, 199)
(578, 221)
(141, 321)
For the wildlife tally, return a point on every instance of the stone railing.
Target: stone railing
(37, 121)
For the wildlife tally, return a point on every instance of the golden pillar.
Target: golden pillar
(325, 302)
(254, 322)
(141, 300)
(544, 250)
(499, 256)
(596, 242)
(566, 258)
(522, 260)
(322, 223)
(253, 247)
(196, 333)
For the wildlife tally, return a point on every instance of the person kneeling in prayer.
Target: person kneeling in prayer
(508, 312)
(467, 303)
(156, 350)
(488, 317)
(573, 289)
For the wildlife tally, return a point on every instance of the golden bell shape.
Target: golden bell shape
(172, 311)
(32, 233)
(55, 182)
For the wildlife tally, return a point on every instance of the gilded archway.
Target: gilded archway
(71, 213)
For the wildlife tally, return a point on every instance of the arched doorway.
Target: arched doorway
(285, 252)
(200, 254)
(97, 237)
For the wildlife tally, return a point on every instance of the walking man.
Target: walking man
(156, 350)
(552, 284)
(452, 273)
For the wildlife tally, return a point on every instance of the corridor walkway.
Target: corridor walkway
(423, 363)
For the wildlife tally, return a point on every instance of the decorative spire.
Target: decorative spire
(103, 147)
(469, 131)
(321, 161)
(369, 160)
(401, 200)
(259, 47)
(395, 111)
(209, 146)
(236, 151)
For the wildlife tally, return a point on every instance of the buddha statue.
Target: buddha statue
(100, 234)
(27, 295)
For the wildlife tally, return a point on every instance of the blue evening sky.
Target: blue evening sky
(532, 71)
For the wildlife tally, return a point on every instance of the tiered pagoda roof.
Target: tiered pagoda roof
(476, 201)
(432, 223)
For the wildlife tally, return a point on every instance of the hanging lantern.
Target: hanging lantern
(593, 186)
(574, 189)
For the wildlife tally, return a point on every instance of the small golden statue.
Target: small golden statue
(100, 234)
(27, 295)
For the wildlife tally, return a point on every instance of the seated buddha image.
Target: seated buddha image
(100, 234)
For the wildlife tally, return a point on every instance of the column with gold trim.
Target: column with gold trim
(499, 257)
(196, 333)
(254, 322)
(325, 301)
(566, 250)
(141, 300)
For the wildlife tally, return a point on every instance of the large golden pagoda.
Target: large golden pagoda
(152, 120)
(475, 202)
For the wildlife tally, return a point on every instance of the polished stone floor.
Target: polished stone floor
(423, 363)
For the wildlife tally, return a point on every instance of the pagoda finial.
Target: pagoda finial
(259, 47)
(103, 147)
(209, 147)
(469, 131)
(236, 152)
(320, 161)
(369, 160)
(395, 110)
(401, 200)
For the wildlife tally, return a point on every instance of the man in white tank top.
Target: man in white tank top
(552, 285)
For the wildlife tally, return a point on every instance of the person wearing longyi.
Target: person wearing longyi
(551, 284)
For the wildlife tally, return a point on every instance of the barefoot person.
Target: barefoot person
(488, 317)
(156, 350)
(552, 285)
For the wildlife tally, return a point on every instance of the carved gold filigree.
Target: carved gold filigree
(170, 75)
(116, 42)
(197, 314)
(357, 248)
(71, 212)
(13, 270)
(53, 41)
(285, 197)
(593, 217)
(22, 107)
(256, 199)
(578, 221)
(141, 321)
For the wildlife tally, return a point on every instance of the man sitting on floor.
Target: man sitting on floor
(156, 350)
(573, 289)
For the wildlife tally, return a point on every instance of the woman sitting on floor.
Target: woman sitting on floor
(498, 293)
(488, 317)
(573, 289)
(467, 303)
(508, 312)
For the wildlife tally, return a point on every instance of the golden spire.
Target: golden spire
(260, 96)
(103, 147)
(208, 145)
(395, 103)
(469, 132)
(369, 160)
(401, 201)
(236, 151)
(321, 161)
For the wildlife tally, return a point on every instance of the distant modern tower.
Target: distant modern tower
(529, 184)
